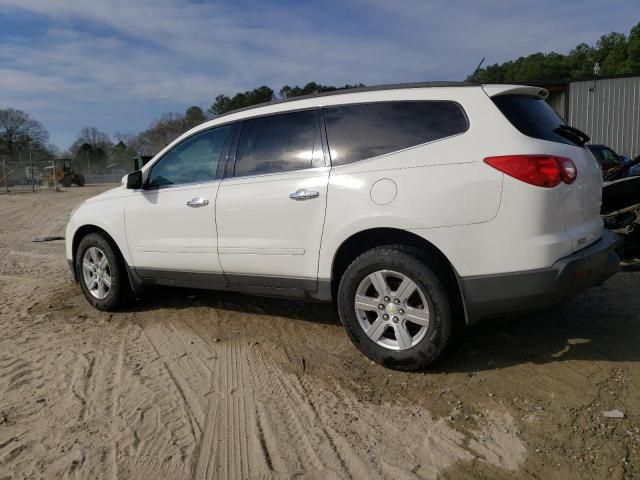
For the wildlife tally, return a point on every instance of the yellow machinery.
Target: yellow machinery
(64, 174)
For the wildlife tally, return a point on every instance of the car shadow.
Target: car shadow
(602, 324)
(182, 298)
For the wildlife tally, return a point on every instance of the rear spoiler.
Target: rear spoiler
(494, 90)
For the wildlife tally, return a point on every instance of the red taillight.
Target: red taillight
(540, 170)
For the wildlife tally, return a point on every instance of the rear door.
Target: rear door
(271, 205)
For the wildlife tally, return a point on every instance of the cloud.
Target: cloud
(118, 64)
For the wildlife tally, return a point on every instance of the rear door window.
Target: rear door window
(279, 143)
(360, 131)
(532, 116)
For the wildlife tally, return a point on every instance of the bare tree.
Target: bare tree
(162, 132)
(18, 132)
(93, 137)
(91, 150)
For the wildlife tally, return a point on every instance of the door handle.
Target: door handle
(197, 202)
(303, 194)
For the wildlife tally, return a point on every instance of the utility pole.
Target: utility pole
(55, 182)
(21, 171)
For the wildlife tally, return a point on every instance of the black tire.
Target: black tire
(119, 293)
(425, 273)
(66, 181)
(80, 180)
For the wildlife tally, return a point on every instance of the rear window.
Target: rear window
(532, 116)
(360, 131)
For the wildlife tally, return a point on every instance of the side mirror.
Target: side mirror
(133, 181)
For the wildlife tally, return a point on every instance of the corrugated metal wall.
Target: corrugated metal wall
(558, 103)
(608, 113)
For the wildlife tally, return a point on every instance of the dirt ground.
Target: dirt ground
(193, 384)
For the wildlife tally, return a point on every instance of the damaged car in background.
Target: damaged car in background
(621, 210)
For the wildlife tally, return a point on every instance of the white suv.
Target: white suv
(410, 206)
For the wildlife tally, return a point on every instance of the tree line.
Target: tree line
(615, 53)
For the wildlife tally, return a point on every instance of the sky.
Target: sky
(119, 64)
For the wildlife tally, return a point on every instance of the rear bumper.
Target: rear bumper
(495, 295)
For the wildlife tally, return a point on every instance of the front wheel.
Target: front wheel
(395, 307)
(101, 274)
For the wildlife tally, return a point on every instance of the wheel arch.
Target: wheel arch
(87, 229)
(370, 238)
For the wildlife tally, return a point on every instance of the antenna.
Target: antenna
(475, 72)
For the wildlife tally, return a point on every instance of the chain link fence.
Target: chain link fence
(26, 171)
(34, 171)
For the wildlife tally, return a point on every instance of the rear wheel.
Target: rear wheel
(80, 180)
(395, 307)
(101, 273)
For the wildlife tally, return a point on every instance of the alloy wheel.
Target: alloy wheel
(392, 310)
(96, 272)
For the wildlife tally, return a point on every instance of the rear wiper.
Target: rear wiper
(573, 134)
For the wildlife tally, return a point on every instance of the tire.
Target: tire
(396, 342)
(66, 181)
(80, 180)
(94, 247)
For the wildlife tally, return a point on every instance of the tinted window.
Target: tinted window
(192, 161)
(278, 143)
(532, 116)
(597, 152)
(610, 155)
(606, 157)
(357, 132)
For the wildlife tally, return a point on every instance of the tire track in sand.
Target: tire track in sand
(264, 422)
(229, 447)
(252, 429)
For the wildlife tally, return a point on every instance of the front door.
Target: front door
(271, 206)
(170, 223)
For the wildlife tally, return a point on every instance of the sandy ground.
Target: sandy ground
(191, 384)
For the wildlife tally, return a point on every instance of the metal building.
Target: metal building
(607, 109)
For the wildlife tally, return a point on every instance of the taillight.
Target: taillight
(540, 170)
(568, 170)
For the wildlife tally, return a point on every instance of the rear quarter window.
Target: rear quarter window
(360, 131)
(532, 116)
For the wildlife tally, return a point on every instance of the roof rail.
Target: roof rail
(373, 88)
